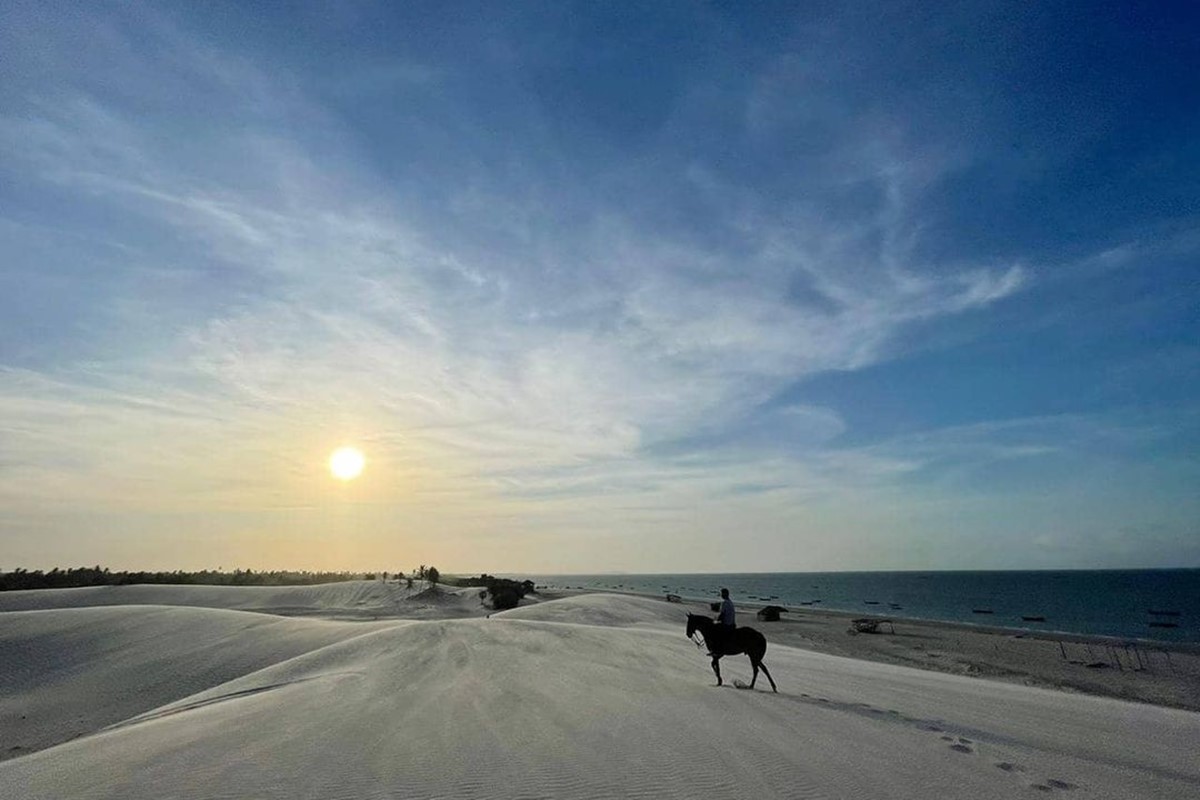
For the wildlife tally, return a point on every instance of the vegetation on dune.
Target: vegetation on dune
(504, 592)
(101, 576)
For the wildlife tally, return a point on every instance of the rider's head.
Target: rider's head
(725, 593)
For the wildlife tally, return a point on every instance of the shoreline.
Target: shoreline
(1033, 633)
(1118, 604)
(815, 611)
(1148, 671)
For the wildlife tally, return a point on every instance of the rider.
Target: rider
(725, 621)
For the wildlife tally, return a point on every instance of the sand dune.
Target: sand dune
(590, 696)
(348, 599)
(69, 672)
(606, 610)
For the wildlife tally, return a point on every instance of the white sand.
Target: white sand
(347, 600)
(588, 696)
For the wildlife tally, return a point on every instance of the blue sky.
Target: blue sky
(660, 287)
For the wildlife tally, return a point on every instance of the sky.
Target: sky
(639, 287)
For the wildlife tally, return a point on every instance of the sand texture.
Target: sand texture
(579, 697)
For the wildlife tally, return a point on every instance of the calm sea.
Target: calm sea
(1145, 604)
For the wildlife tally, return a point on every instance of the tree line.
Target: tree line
(102, 576)
(502, 592)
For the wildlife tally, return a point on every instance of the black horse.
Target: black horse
(743, 640)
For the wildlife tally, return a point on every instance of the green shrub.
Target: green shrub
(505, 598)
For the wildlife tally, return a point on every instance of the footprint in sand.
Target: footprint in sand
(962, 745)
(931, 728)
(1054, 783)
(1008, 766)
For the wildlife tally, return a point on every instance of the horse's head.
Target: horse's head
(692, 625)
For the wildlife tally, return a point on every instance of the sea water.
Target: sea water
(1144, 604)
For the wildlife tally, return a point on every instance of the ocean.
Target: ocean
(1142, 604)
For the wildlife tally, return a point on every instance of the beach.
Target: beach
(368, 689)
(1162, 673)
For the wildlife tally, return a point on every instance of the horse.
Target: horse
(743, 640)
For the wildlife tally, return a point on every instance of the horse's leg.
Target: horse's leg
(767, 673)
(717, 669)
(754, 663)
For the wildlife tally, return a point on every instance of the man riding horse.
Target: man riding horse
(726, 625)
(723, 638)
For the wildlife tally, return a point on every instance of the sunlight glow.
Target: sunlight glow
(346, 463)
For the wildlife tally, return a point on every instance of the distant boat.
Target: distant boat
(1034, 619)
(1164, 613)
(871, 602)
(981, 611)
(1164, 625)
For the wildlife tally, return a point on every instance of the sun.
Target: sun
(346, 463)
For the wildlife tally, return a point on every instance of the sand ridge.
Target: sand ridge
(67, 672)
(588, 696)
(350, 600)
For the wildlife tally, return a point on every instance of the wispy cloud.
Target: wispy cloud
(500, 339)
